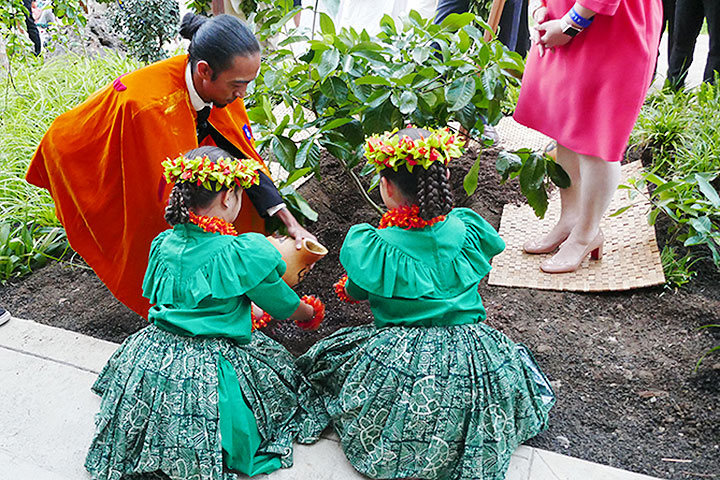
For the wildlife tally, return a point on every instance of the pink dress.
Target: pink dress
(588, 93)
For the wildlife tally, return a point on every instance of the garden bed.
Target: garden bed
(621, 363)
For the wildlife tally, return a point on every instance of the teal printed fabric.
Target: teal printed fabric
(428, 402)
(159, 407)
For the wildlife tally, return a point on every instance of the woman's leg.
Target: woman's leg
(594, 199)
(570, 205)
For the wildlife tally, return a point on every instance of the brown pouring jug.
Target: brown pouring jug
(299, 262)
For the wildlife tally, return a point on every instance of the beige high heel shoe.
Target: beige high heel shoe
(535, 247)
(594, 249)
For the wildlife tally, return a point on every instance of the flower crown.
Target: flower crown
(201, 170)
(390, 151)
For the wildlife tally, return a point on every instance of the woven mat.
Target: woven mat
(514, 136)
(631, 256)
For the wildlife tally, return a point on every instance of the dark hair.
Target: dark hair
(187, 196)
(217, 40)
(429, 188)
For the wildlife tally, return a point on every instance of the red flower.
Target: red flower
(433, 155)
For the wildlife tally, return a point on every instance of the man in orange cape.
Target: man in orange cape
(101, 163)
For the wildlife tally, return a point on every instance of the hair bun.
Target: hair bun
(190, 24)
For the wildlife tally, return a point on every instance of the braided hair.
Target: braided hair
(430, 188)
(186, 196)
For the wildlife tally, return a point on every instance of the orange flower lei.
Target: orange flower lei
(339, 287)
(406, 218)
(213, 224)
(319, 310)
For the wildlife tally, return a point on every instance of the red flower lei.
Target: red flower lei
(260, 322)
(339, 287)
(406, 218)
(319, 310)
(213, 224)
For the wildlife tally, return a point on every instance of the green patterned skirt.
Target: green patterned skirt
(428, 402)
(161, 398)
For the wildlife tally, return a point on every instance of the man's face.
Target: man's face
(229, 84)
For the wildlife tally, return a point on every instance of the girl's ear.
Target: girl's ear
(225, 198)
(388, 185)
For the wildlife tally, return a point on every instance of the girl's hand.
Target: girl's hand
(257, 312)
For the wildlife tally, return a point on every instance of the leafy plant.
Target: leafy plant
(28, 246)
(69, 13)
(678, 271)
(202, 7)
(680, 131)
(145, 25)
(347, 85)
(534, 171)
(37, 94)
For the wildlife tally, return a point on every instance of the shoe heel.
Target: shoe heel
(597, 253)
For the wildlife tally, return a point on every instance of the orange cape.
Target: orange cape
(101, 160)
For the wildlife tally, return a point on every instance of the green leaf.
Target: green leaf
(708, 190)
(421, 54)
(408, 102)
(305, 208)
(335, 123)
(538, 200)
(455, 21)
(378, 98)
(620, 211)
(326, 24)
(470, 181)
(329, 61)
(372, 80)
(459, 93)
(388, 25)
(308, 154)
(335, 88)
(285, 151)
(297, 175)
(557, 174)
(701, 224)
(532, 173)
(490, 78)
(507, 163)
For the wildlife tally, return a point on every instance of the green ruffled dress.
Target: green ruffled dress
(429, 391)
(197, 393)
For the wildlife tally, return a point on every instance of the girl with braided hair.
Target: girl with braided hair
(201, 393)
(429, 391)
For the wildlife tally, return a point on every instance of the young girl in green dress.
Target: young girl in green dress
(429, 391)
(198, 393)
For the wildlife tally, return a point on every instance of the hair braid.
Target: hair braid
(433, 192)
(176, 211)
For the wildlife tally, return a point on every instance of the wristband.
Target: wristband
(318, 309)
(579, 20)
(339, 287)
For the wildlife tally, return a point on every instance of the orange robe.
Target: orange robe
(101, 160)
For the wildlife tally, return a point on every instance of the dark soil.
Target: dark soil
(621, 363)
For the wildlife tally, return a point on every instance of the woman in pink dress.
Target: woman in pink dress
(585, 81)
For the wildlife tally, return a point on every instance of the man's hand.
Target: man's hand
(294, 228)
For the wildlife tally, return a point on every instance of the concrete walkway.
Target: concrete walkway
(47, 409)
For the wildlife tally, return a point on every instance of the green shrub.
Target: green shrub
(680, 131)
(29, 102)
(145, 26)
(348, 85)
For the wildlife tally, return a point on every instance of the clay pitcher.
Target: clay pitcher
(300, 261)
